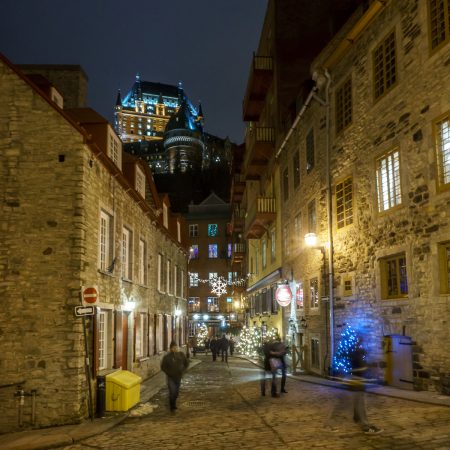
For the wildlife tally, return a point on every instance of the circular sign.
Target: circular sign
(90, 295)
(283, 295)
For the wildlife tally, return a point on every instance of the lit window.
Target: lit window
(442, 133)
(344, 203)
(194, 251)
(212, 276)
(384, 66)
(388, 181)
(212, 251)
(194, 304)
(212, 229)
(314, 293)
(394, 280)
(213, 304)
(193, 279)
(300, 296)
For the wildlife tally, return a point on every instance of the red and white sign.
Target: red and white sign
(89, 295)
(283, 295)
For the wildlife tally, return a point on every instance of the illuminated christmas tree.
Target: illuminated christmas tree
(249, 341)
(202, 334)
(342, 362)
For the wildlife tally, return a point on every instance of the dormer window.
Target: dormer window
(115, 149)
(140, 181)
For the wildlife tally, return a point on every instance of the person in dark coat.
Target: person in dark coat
(231, 342)
(207, 342)
(213, 345)
(223, 346)
(174, 365)
(279, 350)
(276, 350)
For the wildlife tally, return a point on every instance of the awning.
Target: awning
(266, 281)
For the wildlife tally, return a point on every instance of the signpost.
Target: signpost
(81, 311)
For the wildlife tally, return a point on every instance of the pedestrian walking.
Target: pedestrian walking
(232, 343)
(279, 351)
(274, 353)
(213, 345)
(355, 383)
(207, 342)
(223, 346)
(174, 365)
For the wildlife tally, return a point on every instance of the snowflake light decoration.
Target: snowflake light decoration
(219, 286)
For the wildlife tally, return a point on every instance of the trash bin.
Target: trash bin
(123, 390)
(101, 396)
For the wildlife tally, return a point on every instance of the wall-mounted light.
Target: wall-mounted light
(311, 239)
(129, 306)
(178, 312)
(196, 316)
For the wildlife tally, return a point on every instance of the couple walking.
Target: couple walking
(274, 353)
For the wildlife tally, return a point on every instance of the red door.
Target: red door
(121, 340)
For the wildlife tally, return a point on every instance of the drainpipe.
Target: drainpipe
(330, 219)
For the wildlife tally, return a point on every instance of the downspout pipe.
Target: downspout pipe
(330, 218)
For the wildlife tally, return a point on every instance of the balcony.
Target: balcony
(259, 147)
(260, 215)
(259, 81)
(238, 253)
(238, 220)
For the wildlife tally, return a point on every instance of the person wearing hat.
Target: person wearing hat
(174, 364)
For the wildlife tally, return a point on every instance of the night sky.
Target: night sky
(206, 44)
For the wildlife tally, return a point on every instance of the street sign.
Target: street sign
(89, 295)
(81, 311)
(283, 295)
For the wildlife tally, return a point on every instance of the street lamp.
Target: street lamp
(312, 242)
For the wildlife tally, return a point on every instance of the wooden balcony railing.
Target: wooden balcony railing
(260, 215)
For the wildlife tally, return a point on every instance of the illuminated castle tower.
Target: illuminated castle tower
(158, 123)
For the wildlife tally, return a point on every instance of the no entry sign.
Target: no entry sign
(89, 295)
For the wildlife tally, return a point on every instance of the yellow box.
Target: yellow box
(123, 390)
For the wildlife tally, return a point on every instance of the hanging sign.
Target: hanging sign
(283, 295)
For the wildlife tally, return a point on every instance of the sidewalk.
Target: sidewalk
(69, 434)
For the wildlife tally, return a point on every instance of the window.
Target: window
(193, 279)
(102, 339)
(348, 288)
(182, 283)
(211, 277)
(273, 243)
(140, 182)
(286, 240)
(388, 181)
(264, 253)
(394, 280)
(444, 267)
(141, 348)
(229, 305)
(442, 136)
(312, 218)
(232, 276)
(296, 167)
(314, 293)
(127, 251)
(439, 22)
(142, 275)
(194, 251)
(285, 184)
(106, 255)
(168, 277)
(344, 203)
(300, 296)
(115, 149)
(344, 105)
(298, 228)
(194, 304)
(213, 304)
(315, 353)
(212, 229)
(160, 273)
(310, 151)
(384, 66)
(193, 230)
(175, 280)
(212, 251)
(229, 250)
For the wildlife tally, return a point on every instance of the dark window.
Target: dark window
(310, 151)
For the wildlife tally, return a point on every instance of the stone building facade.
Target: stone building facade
(366, 167)
(77, 213)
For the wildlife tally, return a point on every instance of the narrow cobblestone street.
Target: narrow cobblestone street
(220, 407)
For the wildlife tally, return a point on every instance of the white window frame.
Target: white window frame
(193, 279)
(193, 230)
(105, 247)
(142, 275)
(140, 181)
(127, 253)
(168, 277)
(160, 272)
(104, 339)
(115, 149)
(388, 181)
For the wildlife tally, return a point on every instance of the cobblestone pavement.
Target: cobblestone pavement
(220, 407)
